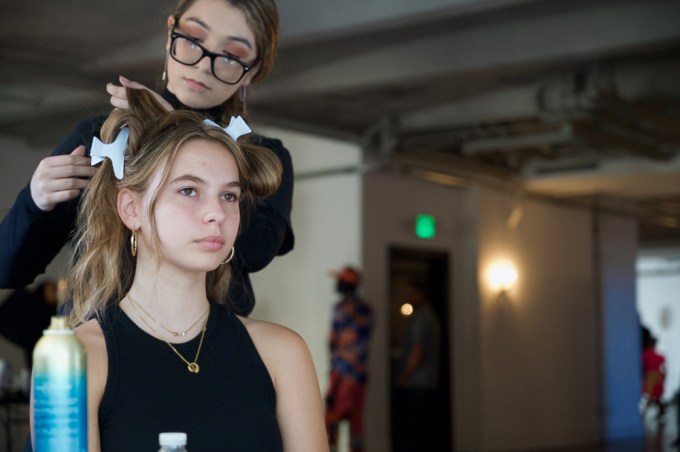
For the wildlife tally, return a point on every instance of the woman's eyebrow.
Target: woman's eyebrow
(232, 185)
(198, 180)
(187, 177)
(201, 23)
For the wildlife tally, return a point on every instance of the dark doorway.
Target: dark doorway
(409, 433)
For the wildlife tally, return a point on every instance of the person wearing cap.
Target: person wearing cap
(350, 332)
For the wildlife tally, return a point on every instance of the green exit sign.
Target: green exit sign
(426, 226)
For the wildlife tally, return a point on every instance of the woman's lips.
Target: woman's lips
(211, 243)
(195, 84)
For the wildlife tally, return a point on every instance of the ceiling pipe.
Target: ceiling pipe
(563, 135)
(459, 176)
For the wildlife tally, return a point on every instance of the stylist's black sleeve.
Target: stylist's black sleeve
(266, 232)
(29, 237)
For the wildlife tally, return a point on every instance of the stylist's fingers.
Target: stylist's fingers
(119, 95)
(60, 178)
(127, 83)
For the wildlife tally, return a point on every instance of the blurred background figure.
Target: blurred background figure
(350, 332)
(418, 377)
(25, 314)
(653, 377)
(676, 441)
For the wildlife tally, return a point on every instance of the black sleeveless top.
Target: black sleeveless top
(230, 405)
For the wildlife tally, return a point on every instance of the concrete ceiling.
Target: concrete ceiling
(574, 100)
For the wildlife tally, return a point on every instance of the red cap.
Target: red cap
(348, 275)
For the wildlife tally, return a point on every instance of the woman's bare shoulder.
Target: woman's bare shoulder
(298, 398)
(90, 334)
(270, 333)
(280, 347)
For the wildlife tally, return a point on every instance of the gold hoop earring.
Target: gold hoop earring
(229, 258)
(133, 243)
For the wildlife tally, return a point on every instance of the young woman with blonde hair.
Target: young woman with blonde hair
(154, 242)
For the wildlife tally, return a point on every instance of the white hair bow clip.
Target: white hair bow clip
(115, 152)
(236, 128)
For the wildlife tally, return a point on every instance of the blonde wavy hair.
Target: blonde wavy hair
(102, 266)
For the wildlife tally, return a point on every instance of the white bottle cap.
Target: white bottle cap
(172, 439)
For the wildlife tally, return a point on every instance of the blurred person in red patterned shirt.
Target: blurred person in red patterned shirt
(350, 332)
(654, 374)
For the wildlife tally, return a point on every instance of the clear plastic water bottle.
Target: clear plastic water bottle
(172, 442)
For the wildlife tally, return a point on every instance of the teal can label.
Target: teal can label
(59, 418)
(60, 413)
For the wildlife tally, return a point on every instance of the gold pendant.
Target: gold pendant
(193, 368)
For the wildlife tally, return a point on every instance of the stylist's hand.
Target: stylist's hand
(119, 97)
(60, 178)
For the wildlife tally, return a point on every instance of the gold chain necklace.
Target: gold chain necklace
(174, 333)
(192, 366)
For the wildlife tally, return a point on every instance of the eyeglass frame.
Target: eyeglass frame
(174, 34)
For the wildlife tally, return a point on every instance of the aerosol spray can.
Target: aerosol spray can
(59, 390)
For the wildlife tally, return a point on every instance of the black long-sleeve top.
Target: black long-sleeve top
(30, 237)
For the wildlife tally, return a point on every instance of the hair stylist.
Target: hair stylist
(215, 49)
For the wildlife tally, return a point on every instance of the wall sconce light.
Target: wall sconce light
(501, 276)
(406, 309)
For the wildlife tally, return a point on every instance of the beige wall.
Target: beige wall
(539, 340)
(297, 290)
(390, 205)
(526, 365)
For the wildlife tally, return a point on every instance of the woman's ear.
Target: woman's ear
(171, 25)
(251, 75)
(129, 208)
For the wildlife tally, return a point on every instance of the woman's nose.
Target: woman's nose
(214, 213)
(205, 63)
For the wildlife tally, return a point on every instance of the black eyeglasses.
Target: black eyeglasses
(225, 68)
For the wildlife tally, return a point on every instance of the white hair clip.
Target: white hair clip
(236, 128)
(115, 152)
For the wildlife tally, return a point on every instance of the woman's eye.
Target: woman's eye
(236, 54)
(226, 58)
(231, 197)
(192, 35)
(188, 191)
